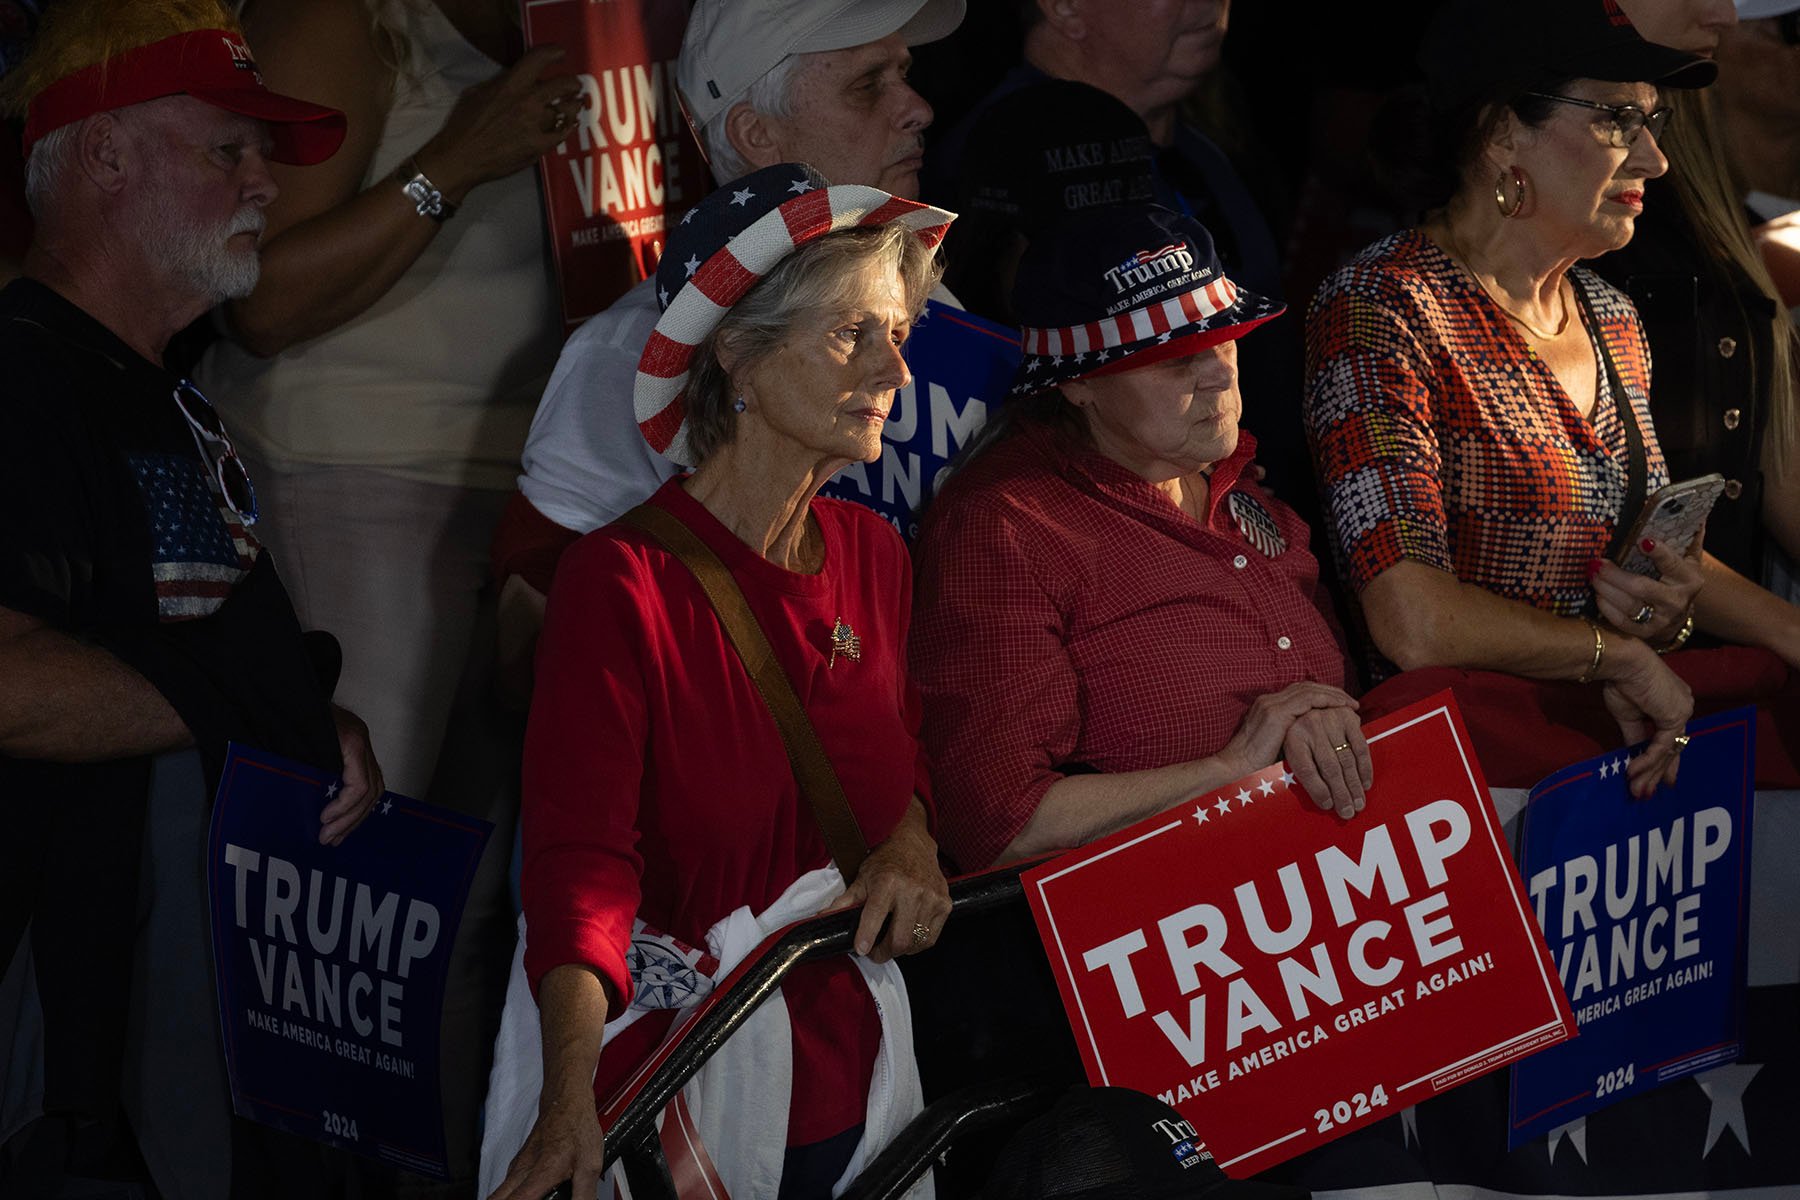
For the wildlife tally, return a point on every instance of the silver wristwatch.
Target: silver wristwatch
(427, 200)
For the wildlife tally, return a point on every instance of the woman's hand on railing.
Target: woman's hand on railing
(566, 1144)
(899, 885)
(1649, 701)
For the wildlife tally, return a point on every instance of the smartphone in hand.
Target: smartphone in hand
(1673, 518)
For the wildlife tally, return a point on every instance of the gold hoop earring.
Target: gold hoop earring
(1509, 211)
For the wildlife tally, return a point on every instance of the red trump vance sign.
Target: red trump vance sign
(1282, 976)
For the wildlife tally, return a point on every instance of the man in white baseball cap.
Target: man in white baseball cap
(746, 69)
(763, 81)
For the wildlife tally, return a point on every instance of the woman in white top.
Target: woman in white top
(383, 375)
(384, 372)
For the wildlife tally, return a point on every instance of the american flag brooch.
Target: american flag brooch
(845, 642)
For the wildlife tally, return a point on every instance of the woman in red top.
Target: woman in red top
(1112, 616)
(656, 783)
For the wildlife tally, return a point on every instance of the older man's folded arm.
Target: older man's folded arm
(63, 700)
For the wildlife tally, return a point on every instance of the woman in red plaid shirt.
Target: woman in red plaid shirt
(1111, 615)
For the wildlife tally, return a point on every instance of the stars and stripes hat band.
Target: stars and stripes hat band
(725, 246)
(1121, 288)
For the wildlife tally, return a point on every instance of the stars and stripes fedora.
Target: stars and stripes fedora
(725, 246)
(1120, 288)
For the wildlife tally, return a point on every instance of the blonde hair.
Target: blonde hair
(1712, 200)
(77, 34)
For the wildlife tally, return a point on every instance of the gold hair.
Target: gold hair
(1713, 203)
(76, 34)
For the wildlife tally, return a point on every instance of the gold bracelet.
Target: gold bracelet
(1681, 635)
(1593, 668)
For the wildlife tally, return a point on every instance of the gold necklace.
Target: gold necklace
(1460, 259)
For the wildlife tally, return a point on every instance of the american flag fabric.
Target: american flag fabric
(721, 249)
(200, 549)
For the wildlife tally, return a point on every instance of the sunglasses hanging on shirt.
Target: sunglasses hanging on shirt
(216, 448)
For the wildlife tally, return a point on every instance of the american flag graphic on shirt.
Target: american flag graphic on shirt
(1257, 525)
(200, 548)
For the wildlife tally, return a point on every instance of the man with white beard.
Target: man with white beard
(142, 626)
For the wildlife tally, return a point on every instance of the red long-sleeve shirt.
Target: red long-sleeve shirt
(656, 784)
(1071, 618)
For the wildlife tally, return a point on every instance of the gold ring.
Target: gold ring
(561, 123)
(1681, 742)
(1643, 615)
(1340, 749)
(921, 933)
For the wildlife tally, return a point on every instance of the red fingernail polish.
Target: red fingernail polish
(1593, 567)
(1648, 544)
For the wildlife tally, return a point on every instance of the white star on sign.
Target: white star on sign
(1223, 805)
(1287, 779)
(1200, 815)
(332, 789)
(1267, 788)
(692, 264)
(800, 187)
(1243, 796)
(1575, 1131)
(743, 197)
(1724, 1086)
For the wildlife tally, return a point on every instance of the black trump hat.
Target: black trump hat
(1113, 1143)
(1119, 288)
(1473, 46)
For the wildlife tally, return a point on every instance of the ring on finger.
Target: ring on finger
(921, 933)
(1681, 742)
(1340, 749)
(1644, 614)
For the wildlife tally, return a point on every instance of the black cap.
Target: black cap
(1110, 1144)
(1139, 282)
(1054, 148)
(1473, 45)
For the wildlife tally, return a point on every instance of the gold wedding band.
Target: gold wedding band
(1340, 749)
(921, 933)
(1681, 742)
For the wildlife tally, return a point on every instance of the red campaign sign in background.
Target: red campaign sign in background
(630, 166)
(1282, 976)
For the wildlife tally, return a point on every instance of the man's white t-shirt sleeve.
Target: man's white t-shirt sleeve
(585, 461)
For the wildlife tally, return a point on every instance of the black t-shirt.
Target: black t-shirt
(114, 531)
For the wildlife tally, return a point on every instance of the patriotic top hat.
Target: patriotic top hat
(722, 248)
(1120, 288)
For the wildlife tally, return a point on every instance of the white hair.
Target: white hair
(772, 95)
(50, 154)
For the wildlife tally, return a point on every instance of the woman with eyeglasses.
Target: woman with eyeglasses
(1477, 402)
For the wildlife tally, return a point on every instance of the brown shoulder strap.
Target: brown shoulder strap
(812, 769)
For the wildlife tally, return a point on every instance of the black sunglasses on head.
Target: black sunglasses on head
(215, 446)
